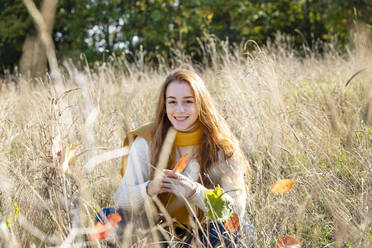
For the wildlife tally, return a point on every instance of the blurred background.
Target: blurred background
(99, 29)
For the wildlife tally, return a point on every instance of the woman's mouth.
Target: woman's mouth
(180, 118)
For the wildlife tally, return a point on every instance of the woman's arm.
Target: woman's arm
(232, 182)
(226, 174)
(230, 178)
(131, 193)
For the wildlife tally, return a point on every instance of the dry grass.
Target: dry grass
(294, 117)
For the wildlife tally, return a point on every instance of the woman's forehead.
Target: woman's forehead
(179, 89)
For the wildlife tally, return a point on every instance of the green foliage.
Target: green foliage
(102, 28)
(218, 204)
(15, 23)
(72, 22)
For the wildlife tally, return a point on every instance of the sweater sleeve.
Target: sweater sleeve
(231, 180)
(131, 193)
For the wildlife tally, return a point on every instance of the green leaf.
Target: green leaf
(218, 204)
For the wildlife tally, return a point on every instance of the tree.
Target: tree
(40, 48)
(98, 28)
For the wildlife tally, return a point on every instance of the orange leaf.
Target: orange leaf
(282, 186)
(114, 219)
(181, 164)
(100, 230)
(288, 242)
(232, 224)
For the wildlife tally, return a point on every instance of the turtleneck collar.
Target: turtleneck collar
(189, 138)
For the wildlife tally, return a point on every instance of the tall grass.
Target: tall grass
(293, 115)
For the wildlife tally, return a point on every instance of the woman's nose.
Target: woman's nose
(180, 108)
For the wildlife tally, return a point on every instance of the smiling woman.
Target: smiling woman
(214, 159)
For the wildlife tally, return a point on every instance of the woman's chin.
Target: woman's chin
(182, 127)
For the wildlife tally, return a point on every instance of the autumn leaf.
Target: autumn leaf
(70, 156)
(282, 186)
(114, 218)
(232, 224)
(57, 146)
(181, 164)
(288, 242)
(100, 231)
(218, 204)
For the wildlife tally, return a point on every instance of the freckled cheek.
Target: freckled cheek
(191, 110)
(168, 108)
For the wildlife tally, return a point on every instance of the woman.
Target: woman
(215, 159)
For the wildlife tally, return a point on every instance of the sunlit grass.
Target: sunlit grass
(293, 116)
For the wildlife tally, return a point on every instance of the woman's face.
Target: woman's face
(180, 105)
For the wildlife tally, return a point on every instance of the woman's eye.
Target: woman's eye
(189, 101)
(171, 102)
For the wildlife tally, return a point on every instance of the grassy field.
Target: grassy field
(294, 116)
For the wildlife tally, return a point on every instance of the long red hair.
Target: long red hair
(216, 134)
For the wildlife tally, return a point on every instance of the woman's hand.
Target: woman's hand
(154, 187)
(177, 184)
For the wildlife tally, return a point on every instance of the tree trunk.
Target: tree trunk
(33, 62)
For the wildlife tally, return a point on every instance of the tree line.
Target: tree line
(99, 28)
